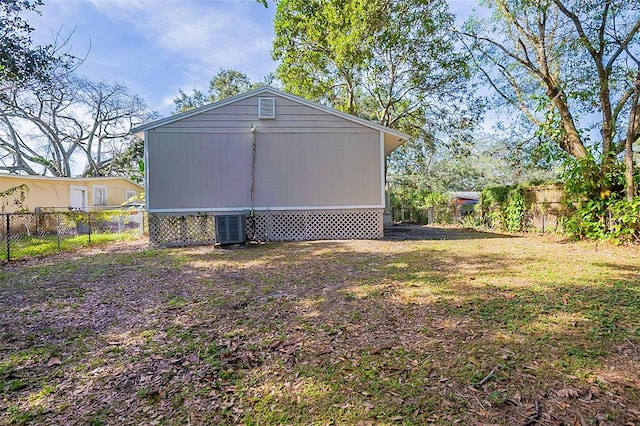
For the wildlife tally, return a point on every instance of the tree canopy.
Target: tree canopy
(224, 84)
(390, 61)
(69, 124)
(21, 61)
(572, 69)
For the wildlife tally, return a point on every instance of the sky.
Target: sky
(157, 47)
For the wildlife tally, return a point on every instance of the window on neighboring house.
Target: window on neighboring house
(99, 196)
(129, 194)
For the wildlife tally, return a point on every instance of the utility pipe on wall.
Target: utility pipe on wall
(253, 169)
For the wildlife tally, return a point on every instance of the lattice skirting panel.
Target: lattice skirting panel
(318, 225)
(173, 230)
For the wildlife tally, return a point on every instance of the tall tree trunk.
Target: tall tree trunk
(572, 142)
(628, 160)
(633, 133)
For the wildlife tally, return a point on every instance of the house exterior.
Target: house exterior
(465, 197)
(64, 193)
(298, 169)
(464, 202)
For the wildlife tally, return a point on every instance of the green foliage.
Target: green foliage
(130, 163)
(471, 221)
(323, 47)
(581, 81)
(224, 84)
(21, 61)
(492, 160)
(184, 102)
(360, 57)
(504, 207)
(515, 209)
(227, 83)
(434, 199)
(406, 196)
(15, 196)
(585, 179)
(624, 225)
(597, 203)
(415, 204)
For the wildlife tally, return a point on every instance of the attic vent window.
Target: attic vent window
(266, 108)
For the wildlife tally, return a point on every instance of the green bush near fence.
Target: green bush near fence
(607, 217)
(504, 207)
(420, 206)
(599, 209)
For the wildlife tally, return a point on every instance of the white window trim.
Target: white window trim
(104, 189)
(266, 105)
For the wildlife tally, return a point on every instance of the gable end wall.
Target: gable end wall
(304, 158)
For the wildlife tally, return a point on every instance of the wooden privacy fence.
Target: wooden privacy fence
(522, 209)
(546, 207)
(31, 234)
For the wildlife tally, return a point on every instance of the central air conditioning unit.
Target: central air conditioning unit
(230, 229)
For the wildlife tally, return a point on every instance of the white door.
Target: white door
(78, 199)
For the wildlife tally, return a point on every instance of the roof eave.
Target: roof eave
(139, 131)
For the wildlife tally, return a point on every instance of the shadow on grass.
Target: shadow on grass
(417, 232)
(628, 271)
(310, 332)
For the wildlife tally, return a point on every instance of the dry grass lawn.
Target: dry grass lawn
(473, 329)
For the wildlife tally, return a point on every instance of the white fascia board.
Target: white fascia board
(274, 92)
(196, 111)
(229, 209)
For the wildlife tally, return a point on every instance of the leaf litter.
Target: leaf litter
(352, 332)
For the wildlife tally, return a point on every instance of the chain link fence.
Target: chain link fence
(24, 235)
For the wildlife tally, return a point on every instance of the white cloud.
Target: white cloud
(181, 44)
(211, 34)
(159, 46)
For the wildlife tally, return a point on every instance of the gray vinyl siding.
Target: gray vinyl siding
(238, 117)
(318, 170)
(196, 170)
(305, 158)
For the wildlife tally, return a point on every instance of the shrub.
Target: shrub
(597, 203)
(504, 207)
